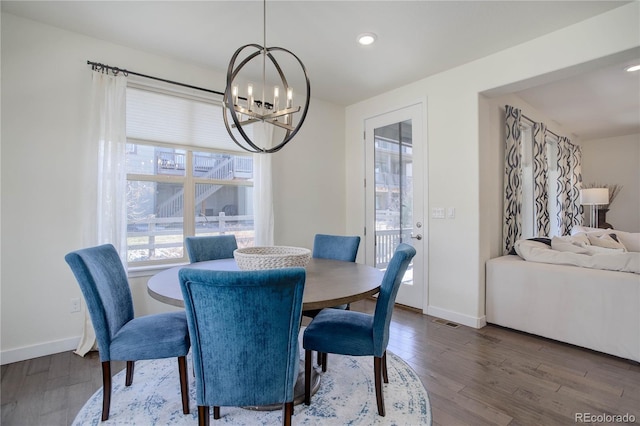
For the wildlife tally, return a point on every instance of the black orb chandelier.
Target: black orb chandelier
(245, 111)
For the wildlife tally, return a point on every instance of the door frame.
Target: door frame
(417, 111)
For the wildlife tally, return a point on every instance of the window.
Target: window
(184, 177)
(528, 196)
(552, 178)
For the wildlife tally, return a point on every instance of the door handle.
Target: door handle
(417, 237)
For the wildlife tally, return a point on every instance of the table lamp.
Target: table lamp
(594, 197)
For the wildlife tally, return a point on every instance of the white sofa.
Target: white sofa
(592, 308)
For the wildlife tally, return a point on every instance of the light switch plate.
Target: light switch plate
(437, 213)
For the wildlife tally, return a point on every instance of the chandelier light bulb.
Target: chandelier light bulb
(276, 93)
(250, 96)
(234, 94)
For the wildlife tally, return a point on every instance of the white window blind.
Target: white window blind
(176, 120)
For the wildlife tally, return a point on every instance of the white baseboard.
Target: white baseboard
(42, 349)
(469, 321)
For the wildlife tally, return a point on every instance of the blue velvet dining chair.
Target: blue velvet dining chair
(120, 336)
(237, 319)
(359, 334)
(212, 247)
(336, 247)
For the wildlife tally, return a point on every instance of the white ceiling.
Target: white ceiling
(415, 39)
(597, 104)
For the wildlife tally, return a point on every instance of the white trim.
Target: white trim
(469, 321)
(151, 270)
(413, 296)
(41, 349)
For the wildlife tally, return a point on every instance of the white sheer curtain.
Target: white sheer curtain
(262, 187)
(106, 210)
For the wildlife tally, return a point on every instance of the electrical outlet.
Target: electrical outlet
(74, 305)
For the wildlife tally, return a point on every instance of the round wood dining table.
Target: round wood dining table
(328, 282)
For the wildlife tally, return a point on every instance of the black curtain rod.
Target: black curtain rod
(532, 122)
(96, 66)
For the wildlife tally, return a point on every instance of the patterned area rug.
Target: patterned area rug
(346, 396)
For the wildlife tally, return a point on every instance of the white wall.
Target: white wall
(616, 161)
(45, 93)
(462, 157)
(309, 183)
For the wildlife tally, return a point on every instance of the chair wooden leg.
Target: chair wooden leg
(184, 383)
(307, 376)
(106, 389)
(377, 371)
(287, 412)
(203, 415)
(322, 358)
(130, 367)
(216, 412)
(385, 375)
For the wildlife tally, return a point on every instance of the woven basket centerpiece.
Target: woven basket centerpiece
(253, 258)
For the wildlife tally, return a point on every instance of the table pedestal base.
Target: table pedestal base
(298, 390)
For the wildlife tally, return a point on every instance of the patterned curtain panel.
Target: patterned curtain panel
(569, 184)
(512, 226)
(540, 180)
(576, 186)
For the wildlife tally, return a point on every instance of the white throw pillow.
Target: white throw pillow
(605, 241)
(587, 230)
(578, 239)
(566, 244)
(631, 240)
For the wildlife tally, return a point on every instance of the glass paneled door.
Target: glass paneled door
(394, 200)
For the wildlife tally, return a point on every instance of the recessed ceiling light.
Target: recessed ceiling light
(633, 68)
(367, 39)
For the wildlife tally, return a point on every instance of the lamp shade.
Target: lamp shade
(594, 196)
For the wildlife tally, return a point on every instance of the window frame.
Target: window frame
(188, 182)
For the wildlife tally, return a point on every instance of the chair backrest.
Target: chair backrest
(244, 329)
(105, 288)
(387, 296)
(336, 247)
(213, 247)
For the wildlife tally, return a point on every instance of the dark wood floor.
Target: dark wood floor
(492, 376)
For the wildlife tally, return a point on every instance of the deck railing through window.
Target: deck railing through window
(163, 237)
(386, 242)
(151, 235)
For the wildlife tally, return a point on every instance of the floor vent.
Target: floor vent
(447, 323)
